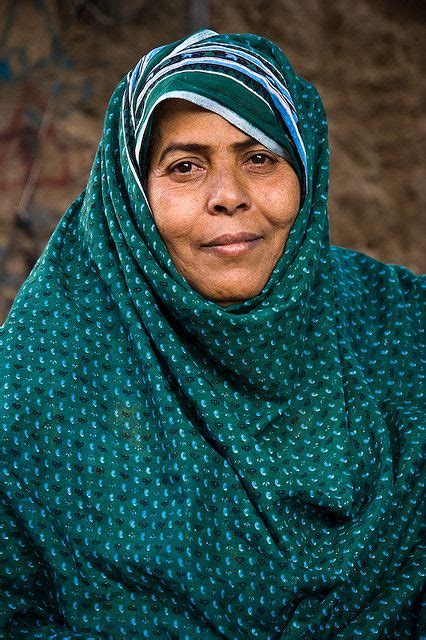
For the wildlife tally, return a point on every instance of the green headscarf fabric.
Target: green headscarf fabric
(175, 469)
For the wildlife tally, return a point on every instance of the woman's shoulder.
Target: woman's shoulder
(365, 280)
(380, 315)
(376, 299)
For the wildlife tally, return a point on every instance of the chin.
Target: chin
(233, 288)
(233, 296)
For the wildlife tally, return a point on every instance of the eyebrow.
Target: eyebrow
(204, 148)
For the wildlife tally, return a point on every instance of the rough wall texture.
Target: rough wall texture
(59, 62)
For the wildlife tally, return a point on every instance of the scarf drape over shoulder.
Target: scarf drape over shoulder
(175, 469)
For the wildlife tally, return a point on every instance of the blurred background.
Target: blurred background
(61, 59)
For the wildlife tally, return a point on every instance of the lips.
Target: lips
(228, 238)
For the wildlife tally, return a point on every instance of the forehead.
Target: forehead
(174, 106)
(174, 118)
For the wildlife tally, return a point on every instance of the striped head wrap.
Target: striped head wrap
(236, 82)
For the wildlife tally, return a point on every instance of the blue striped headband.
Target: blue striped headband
(237, 83)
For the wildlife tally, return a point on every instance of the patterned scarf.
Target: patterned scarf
(175, 469)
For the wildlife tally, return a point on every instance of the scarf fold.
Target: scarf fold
(175, 469)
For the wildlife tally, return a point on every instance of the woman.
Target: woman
(211, 420)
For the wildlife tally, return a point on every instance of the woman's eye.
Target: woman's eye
(183, 167)
(261, 158)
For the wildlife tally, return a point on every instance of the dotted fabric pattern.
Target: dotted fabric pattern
(173, 469)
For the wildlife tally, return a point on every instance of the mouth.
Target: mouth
(232, 238)
(233, 244)
(233, 248)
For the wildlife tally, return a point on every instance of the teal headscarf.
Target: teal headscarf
(175, 469)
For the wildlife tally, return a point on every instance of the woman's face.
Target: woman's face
(206, 178)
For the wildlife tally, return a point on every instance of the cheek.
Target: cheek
(174, 214)
(281, 205)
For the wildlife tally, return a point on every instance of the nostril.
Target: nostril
(229, 208)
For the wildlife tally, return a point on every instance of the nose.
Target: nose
(227, 192)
